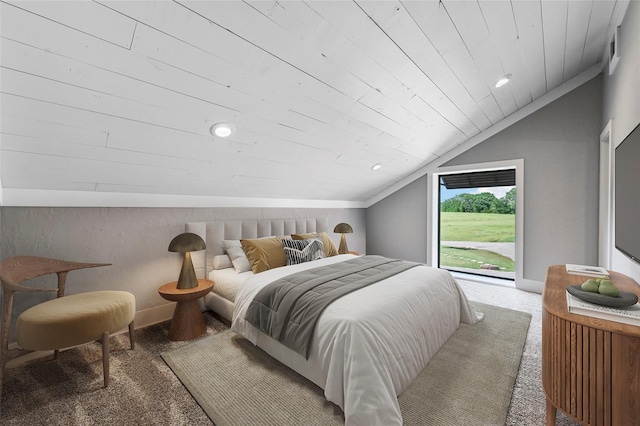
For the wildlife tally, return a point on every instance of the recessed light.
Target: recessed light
(503, 80)
(376, 166)
(222, 130)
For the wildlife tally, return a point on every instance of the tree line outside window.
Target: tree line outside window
(484, 202)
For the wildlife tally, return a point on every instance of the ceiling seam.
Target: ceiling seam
(418, 67)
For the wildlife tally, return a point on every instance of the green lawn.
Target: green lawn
(472, 259)
(480, 227)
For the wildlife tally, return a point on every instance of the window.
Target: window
(477, 226)
(477, 176)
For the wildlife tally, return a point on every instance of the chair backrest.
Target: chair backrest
(14, 270)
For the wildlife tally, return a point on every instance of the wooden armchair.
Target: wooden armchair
(80, 318)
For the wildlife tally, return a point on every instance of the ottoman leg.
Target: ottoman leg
(105, 357)
(131, 336)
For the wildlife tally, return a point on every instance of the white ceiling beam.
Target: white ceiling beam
(45, 198)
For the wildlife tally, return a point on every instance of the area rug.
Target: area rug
(469, 381)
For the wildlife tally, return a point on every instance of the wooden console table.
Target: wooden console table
(590, 367)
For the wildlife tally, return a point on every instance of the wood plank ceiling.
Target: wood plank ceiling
(119, 96)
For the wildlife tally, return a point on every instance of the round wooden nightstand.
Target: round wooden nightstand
(187, 322)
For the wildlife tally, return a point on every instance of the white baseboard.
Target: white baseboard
(143, 319)
(484, 279)
(154, 315)
(523, 284)
(531, 286)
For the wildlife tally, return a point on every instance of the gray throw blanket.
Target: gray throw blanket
(288, 309)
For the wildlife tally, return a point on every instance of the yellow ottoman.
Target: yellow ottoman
(75, 320)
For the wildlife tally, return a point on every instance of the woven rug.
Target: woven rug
(469, 381)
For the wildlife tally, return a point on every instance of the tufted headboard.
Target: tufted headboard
(214, 232)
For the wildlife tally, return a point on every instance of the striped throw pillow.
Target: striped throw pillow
(300, 251)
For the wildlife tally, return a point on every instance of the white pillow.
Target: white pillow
(237, 255)
(222, 261)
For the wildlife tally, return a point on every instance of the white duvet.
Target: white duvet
(370, 344)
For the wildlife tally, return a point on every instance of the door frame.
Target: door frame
(605, 208)
(433, 203)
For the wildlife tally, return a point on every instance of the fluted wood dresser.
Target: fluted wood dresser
(590, 367)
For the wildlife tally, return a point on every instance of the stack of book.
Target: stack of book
(589, 271)
(628, 315)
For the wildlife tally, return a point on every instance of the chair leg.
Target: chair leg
(131, 336)
(3, 362)
(7, 307)
(55, 354)
(105, 357)
(2, 372)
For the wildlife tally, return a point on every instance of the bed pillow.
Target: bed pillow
(237, 255)
(264, 253)
(222, 261)
(329, 247)
(300, 251)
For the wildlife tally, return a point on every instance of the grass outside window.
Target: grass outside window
(476, 227)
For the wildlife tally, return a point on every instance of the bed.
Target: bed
(368, 345)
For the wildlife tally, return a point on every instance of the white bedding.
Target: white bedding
(228, 281)
(370, 344)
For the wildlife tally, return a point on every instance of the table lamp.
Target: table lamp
(343, 228)
(186, 243)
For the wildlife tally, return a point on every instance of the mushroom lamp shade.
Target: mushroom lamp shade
(186, 243)
(343, 228)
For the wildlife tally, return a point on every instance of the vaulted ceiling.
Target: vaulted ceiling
(120, 96)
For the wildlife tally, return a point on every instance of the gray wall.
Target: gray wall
(560, 147)
(397, 225)
(622, 103)
(134, 240)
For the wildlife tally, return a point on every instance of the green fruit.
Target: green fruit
(590, 285)
(608, 288)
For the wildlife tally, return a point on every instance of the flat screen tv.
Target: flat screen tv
(627, 195)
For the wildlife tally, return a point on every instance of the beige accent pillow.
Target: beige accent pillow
(264, 253)
(329, 247)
